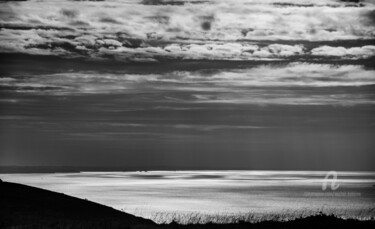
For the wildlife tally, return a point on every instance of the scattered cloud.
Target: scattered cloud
(355, 52)
(151, 31)
(230, 21)
(296, 83)
(35, 41)
(126, 30)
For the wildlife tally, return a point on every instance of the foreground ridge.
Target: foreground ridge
(23, 206)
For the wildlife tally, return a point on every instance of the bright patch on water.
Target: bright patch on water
(216, 196)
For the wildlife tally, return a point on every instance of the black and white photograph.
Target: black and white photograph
(188, 114)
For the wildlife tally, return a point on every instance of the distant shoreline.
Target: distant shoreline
(77, 169)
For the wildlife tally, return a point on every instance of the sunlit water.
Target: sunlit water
(216, 196)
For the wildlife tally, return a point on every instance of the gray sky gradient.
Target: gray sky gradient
(188, 85)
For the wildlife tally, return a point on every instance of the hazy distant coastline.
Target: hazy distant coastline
(77, 169)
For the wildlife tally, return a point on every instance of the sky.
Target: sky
(151, 84)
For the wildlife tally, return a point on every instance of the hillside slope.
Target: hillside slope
(29, 207)
(24, 207)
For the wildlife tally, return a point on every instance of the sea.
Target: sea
(218, 196)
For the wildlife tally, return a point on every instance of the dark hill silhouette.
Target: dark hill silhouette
(27, 207)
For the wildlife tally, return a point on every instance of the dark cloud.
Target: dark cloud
(7, 13)
(245, 31)
(206, 22)
(79, 23)
(171, 2)
(355, 1)
(162, 2)
(107, 19)
(70, 13)
(370, 18)
(162, 19)
(67, 46)
(16, 26)
(206, 25)
(349, 3)
(287, 4)
(30, 88)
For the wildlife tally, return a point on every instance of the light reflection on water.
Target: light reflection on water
(219, 196)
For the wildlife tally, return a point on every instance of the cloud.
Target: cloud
(207, 21)
(71, 44)
(355, 52)
(219, 20)
(214, 30)
(108, 19)
(227, 51)
(69, 13)
(370, 17)
(234, 51)
(296, 83)
(162, 2)
(215, 127)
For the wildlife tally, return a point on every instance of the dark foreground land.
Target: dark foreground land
(26, 207)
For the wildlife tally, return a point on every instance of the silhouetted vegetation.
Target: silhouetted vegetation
(24, 207)
(27, 207)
